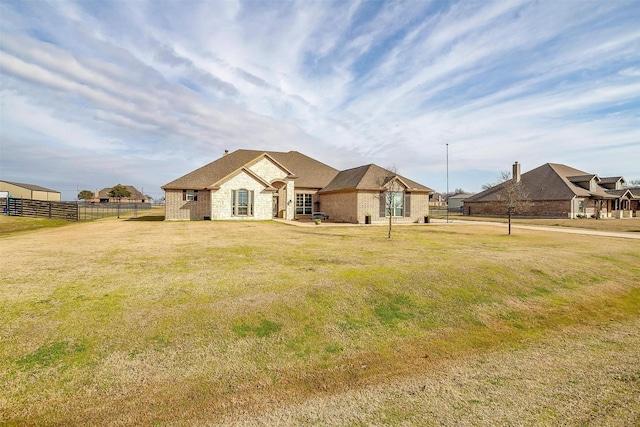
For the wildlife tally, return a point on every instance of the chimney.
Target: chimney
(516, 172)
(225, 152)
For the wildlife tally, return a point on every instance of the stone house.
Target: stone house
(559, 191)
(261, 185)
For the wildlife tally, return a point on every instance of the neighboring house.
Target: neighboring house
(635, 203)
(259, 185)
(102, 196)
(456, 201)
(436, 199)
(556, 191)
(19, 190)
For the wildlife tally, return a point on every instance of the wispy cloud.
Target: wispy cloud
(168, 86)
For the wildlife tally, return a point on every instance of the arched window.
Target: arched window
(242, 202)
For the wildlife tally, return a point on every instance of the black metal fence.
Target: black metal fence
(441, 211)
(88, 211)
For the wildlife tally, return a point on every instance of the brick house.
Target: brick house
(558, 191)
(102, 196)
(260, 185)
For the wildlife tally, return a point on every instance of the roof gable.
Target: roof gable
(246, 168)
(308, 172)
(252, 174)
(370, 177)
(612, 182)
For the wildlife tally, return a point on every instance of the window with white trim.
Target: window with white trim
(304, 204)
(242, 202)
(395, 203)
(190, 195)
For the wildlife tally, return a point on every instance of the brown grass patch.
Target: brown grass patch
(138, 323)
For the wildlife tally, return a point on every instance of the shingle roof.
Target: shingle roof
(550, 181)
(581, 178)
(625, 192)
(31, 187)
(368, 177)
(135, 194)
(309, 172)
(611, 179)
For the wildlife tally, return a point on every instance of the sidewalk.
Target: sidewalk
(568, 230)
(456, 222)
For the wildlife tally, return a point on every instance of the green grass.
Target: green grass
(192, 319)
(15, 224)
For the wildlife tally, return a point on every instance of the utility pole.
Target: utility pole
(447, 183)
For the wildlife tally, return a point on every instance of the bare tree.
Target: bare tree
(455, 192)
(510, 193)
(391, 196)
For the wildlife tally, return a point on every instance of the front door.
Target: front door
(275, 206)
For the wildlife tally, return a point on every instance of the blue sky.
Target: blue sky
(95, 93)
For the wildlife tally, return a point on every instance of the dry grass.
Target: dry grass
(624, 225)
(119, 322)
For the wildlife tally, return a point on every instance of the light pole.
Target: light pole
(447, 183)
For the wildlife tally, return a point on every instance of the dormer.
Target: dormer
(588, 182)
(612, 183)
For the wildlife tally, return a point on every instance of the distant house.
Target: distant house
(436, 199)
(558, 191)
(259, 185)
(102, 196)
(20, 190)
(456, 201)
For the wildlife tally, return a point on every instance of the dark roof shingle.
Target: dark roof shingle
(309, 172)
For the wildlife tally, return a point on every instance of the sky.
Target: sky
(449, 93)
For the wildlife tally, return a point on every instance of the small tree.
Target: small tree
(119, 192)
(510, 195)
(85, 195)
(392, 196)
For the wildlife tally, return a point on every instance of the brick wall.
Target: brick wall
(353, 207)
(178, 209)
(544, 208)
(419, 206)
(340, 207)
